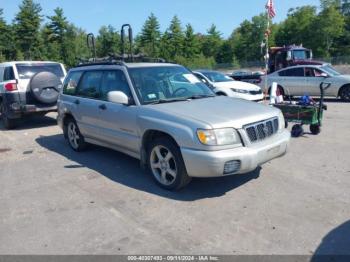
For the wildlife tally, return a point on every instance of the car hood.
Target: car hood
(237, 85)
(220, 111)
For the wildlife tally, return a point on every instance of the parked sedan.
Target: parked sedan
(224, 85)
(306, 79)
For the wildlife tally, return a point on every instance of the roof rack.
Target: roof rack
(116, 59)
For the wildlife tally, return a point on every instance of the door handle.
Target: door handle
(77, 102)
(102, 107)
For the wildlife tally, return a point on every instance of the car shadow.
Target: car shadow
(335, 246)
(126, 170)
(31, 122)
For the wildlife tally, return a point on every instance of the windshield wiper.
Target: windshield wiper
(200, 96)
(164, 101)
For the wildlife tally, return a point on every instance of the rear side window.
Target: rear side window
(71, 83)
(114, 81)
(294, 72)
(89, 85)
(9, 73)
(27, 71)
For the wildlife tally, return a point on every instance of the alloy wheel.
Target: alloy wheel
(73, 135)
(163, 165)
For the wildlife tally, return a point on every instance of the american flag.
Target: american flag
(270, 9)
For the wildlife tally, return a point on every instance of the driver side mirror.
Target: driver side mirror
(118, 97)
(325, 75)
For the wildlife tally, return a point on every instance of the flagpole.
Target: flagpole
(267, 51)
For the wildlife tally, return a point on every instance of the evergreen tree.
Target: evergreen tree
(26, 26)
(172, 40)
(4, 30)
(56, 38)
(191, 44)
(149, 41)
(212, 42)
(225, 54)
(108, 41)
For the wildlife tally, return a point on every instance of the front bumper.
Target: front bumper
(212, 163)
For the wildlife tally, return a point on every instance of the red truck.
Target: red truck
(282, 57)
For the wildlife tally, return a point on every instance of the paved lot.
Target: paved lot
(56, 201)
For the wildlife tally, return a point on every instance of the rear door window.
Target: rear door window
(89, 85)
(9, 74)
(27, 71)
(71, 83)
(293, 72)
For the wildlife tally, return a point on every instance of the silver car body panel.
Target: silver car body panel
(299, 86)
(123, 127)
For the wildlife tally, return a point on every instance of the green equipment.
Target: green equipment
(305, 114)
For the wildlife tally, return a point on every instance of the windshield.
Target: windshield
(330, 70)
(26, 71)
(301, 54)
(167, 84)
(217, 77)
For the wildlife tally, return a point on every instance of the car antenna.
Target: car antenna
(91, 43)
(130, 41)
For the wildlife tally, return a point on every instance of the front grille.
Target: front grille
(262, 130)
(255, 92)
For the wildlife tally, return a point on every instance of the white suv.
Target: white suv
(28, 87)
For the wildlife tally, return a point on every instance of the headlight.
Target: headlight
(218, 137)
(242, 91)
(281, 121)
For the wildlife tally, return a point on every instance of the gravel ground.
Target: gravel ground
(56, 201)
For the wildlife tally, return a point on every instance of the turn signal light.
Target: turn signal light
(11, 87)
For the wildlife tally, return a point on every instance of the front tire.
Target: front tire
(74, 137)
(166, 164)
(297, 131)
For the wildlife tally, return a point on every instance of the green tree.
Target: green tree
(225, 54)
(108, 41)
(172, 40)
(346, 7)
(298, 27)
(55, 35)
(248, 37)
(149, 41)
(191, 44)
(326, 28)
(328, 3)
(26, 26)
(212, 42)
(4, 31)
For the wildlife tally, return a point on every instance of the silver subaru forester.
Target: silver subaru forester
(165, 116)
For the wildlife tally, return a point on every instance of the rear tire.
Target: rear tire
(73, 135)
(345, 93)
(315, 129)
(166, 164)
(7, 122)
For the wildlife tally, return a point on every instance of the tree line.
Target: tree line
(325, 29)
